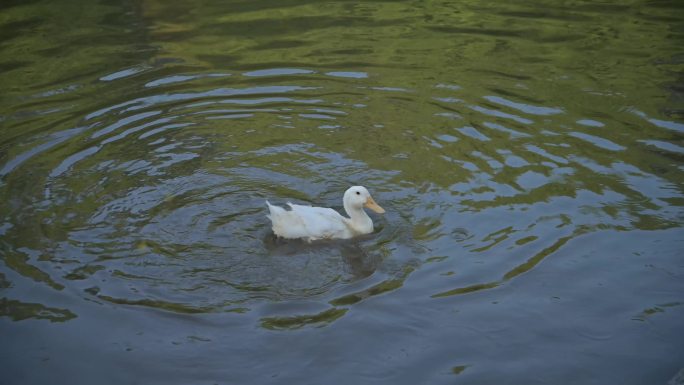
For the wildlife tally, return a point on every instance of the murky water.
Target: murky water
(529, 156)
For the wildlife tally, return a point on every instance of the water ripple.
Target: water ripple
(142, 184)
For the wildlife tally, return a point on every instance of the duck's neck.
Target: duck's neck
(359, 220)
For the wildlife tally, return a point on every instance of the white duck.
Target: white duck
(312, 223)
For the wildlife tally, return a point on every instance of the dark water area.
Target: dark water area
(529, 156)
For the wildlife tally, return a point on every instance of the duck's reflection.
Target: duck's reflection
(357, 261)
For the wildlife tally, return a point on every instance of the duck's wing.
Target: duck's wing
(308, 222)
(322, 222)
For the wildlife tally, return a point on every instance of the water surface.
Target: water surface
(529, 156)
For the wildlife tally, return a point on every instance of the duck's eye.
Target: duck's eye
(358, 193)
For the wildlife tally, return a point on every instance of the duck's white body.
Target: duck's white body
(312, 223)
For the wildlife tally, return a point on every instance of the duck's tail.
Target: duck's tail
(273, 210)
(270, 209)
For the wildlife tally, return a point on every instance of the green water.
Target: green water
(529, 156)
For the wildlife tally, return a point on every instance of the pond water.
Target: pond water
(529, 156)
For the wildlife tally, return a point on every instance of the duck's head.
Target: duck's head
(357, 197)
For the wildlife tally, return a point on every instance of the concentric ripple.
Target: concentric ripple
(529, 156)
(141, 182)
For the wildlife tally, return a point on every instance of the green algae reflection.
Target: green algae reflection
(296, 322)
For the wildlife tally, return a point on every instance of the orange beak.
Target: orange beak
(370, 203)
